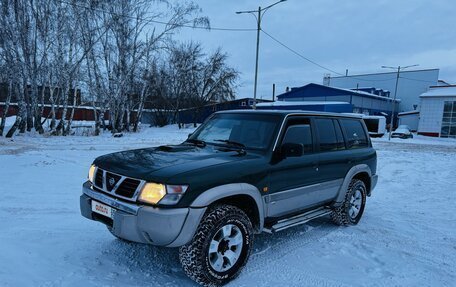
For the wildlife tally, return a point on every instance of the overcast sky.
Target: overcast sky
(357, 35)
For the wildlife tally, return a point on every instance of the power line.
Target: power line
(159, 22)
(298, 54)
(317, 64)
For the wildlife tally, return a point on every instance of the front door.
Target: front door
(293, 181)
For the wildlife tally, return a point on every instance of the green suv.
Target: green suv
(240, 173)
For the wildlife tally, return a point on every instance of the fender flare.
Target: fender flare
(222, 191)
(350, 174)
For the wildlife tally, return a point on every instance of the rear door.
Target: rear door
(358, 143)
(333, 157)
(293, 180)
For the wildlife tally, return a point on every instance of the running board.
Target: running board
(297, 220)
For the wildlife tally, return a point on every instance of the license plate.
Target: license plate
(102, 209)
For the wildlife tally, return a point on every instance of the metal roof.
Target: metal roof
(442, 91)
(296, 90)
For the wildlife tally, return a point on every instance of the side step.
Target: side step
(297, 220)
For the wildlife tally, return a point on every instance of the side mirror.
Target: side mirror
(291, 150)
(189, 135)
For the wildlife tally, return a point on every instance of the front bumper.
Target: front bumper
(169, 227)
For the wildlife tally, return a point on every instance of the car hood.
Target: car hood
(163, 162)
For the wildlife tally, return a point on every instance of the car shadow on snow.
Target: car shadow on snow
(146, 265)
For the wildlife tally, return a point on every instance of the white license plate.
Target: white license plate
(102, 209)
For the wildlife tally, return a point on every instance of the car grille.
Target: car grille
(111, 180)
(117, 185)
(99, 178)
(128, 187)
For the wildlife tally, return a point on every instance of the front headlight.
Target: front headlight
(91, 173)
(152, 193)
(164, 194)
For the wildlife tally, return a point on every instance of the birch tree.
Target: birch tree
(119, 53)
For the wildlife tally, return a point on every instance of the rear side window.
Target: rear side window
(327, 135)
(340, 137)
(354, 131)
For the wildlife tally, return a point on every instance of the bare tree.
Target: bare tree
(215, 82)
(126, 50)
(112, 51)
(197, 80)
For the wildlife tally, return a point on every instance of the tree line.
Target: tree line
(120, 55)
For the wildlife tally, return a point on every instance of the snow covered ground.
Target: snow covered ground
(407, 236)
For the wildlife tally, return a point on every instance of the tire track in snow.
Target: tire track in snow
(282, 244)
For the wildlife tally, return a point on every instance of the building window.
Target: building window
(449, 120)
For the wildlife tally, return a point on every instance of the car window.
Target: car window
(327, 136)
(300, 133)
(253, 131)
(356, 136)
(339, 135)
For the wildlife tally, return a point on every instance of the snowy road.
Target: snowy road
(407, 236)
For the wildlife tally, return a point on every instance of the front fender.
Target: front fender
(219, 192)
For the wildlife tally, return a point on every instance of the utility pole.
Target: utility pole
(273, 92)
(393, 102)
(259, 14)
(256, 58)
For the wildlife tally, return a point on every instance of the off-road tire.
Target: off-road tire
(194, 256)
(340, 215)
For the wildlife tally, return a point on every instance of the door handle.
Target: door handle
(315, 165)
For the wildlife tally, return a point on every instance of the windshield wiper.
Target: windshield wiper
(196, 142)
(232, 143)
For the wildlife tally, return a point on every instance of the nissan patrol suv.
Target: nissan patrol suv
(240, 173)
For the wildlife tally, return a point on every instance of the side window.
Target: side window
(356, 136)
(339, 135)
(326, 135)
(299, 131)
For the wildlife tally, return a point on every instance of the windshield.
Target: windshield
(253, 131)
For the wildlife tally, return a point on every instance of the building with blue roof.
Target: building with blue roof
(412, 83)
(369, 101)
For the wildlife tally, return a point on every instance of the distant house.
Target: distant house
(412, 83)
(438, 112)
(375, 102)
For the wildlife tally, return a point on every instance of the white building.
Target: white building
(438, 112)
(411, 84)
